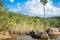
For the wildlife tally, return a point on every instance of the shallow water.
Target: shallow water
(30, 38)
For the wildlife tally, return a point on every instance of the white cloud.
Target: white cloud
(18, 8)
(18, 5)
(35, 7)
(11, 1)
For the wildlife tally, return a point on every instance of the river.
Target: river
(30, 38)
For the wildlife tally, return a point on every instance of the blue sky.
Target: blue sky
(34, 7)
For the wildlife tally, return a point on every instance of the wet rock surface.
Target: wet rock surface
(40, 34)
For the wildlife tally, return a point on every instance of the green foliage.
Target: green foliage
(25, 23)
(1, 3)
(44, 1)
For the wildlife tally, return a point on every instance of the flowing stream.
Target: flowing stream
(30, 38)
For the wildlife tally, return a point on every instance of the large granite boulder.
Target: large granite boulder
(38, 34)
(54, 31)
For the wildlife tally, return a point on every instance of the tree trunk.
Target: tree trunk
(44, 19)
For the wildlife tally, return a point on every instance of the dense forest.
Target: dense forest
(24, 23)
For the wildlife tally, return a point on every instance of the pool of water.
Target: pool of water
(30, 38)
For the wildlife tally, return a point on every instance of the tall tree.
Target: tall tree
(1, 4)
(44, 2)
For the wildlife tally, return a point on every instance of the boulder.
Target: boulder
(54, 31)
(38, 34)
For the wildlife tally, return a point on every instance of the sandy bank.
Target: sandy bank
(4, 36)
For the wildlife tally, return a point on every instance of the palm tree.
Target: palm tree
(44, 2)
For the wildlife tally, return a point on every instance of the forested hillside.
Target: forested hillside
(24, 23)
